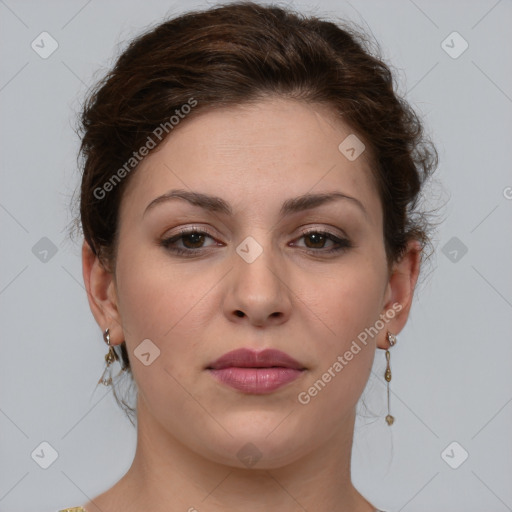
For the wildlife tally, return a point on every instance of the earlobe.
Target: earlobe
(400, 290)
(100, 287)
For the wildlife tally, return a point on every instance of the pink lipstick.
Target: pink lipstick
(255, 372)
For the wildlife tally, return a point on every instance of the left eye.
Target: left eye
(320, 237)
(193, 239)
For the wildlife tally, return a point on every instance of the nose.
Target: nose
(257, 292)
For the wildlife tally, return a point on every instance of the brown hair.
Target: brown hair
(238, 53)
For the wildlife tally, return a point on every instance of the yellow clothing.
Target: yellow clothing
(81, 509)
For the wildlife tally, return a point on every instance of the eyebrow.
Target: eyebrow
(218, 205)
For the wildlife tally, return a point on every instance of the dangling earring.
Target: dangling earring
(387, 375)
(110, 358)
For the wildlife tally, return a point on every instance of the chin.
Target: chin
(264, 444)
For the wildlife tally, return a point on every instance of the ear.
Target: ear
(101, 293)
(400, 291)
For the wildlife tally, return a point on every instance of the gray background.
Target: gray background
(451, 367)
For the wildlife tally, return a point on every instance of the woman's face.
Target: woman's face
(252, 278)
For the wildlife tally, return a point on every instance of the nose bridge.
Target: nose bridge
(258, 282)
(257, 263)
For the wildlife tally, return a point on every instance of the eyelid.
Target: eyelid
(325, 227)
(190, 229)
(341, 243)
(310, 229)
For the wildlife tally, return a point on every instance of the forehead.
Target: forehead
(255, 153)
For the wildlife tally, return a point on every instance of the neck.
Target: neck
(166, 476)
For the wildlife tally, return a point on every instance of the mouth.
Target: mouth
(255, 372)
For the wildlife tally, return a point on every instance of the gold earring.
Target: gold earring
(110, 358)
(387, 375)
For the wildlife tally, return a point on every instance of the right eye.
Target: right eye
(194, 237)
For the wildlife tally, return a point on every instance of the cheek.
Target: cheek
(345, 352)
(153, 304)
(350, 298)
(155, 297)
(346, 307)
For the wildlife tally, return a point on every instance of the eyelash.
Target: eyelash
(343, 243)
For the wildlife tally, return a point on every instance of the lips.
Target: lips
(245, 358)
(255, 372)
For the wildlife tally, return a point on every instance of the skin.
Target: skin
(311, 306)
